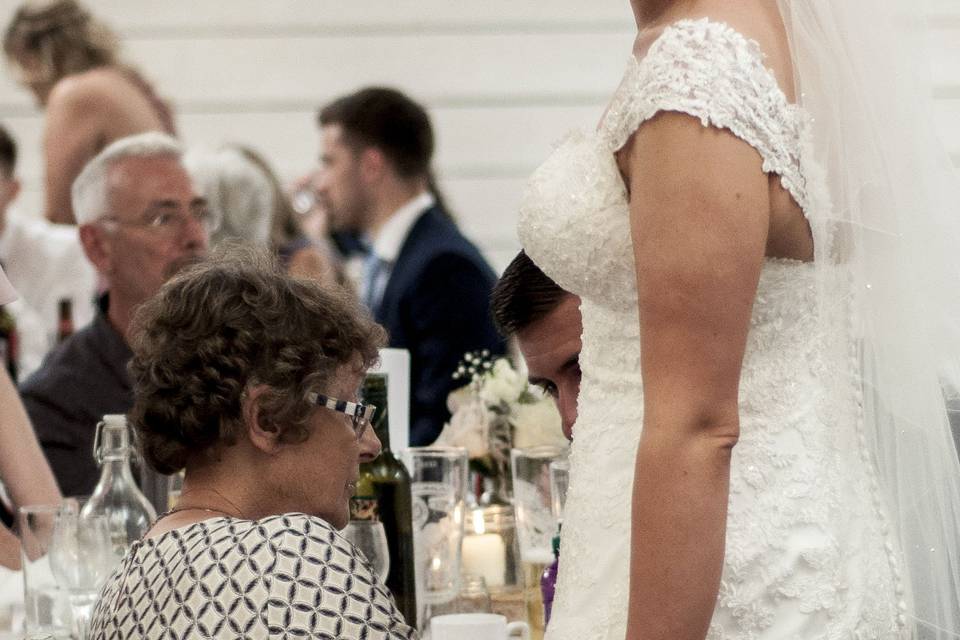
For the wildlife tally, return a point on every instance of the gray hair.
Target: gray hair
(237, 191)
(89, 190)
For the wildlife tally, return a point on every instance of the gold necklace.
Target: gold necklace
(238, 511)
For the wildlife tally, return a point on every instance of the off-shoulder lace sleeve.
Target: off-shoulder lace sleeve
(710, 71)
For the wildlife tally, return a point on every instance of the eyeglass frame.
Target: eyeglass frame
(209, 220)
(361, 414)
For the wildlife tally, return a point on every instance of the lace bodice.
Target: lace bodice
(806, 552)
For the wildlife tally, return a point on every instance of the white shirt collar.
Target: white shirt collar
(394, 231)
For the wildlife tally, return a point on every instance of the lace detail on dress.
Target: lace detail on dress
(711, 72)
(583, 173)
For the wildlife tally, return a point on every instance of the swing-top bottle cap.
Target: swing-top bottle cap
(112, 438)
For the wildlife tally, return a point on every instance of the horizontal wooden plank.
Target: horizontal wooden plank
(144, 18)
(431, 67)
(947, 114)
(442, 69)
(256, 74)
(190, 18)
(942, 7)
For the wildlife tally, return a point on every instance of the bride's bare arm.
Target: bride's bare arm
(699, 218)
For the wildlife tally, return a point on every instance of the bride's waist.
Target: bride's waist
(610, 350)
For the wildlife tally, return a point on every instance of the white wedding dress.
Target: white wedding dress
(808, 551)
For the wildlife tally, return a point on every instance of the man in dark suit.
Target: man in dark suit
(422, 279)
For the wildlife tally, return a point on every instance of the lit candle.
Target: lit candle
(485, 554)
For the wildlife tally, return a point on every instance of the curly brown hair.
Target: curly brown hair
(228, 323)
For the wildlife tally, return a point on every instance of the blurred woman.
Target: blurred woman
(247, 379)
(245, 193)
(70, 62)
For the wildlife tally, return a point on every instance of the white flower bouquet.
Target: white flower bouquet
(496, 410)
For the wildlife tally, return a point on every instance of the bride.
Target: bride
(760, 232)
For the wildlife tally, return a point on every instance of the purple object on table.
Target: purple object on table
(548, 580)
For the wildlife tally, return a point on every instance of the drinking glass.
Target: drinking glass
(370, 537)
(66, 559)
(438, 486)
(559, 481)
(474, 596)
(81, 558)
(46, 610)
(536, 522)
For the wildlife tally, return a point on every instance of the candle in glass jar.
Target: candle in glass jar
(485, 554)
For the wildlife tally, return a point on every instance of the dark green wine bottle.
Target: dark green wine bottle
(391, 487)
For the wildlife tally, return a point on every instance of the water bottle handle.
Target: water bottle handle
(97, 452)
(520, 626)
(131, 443)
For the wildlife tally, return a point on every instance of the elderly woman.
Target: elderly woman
(70, 62)
(248, 380)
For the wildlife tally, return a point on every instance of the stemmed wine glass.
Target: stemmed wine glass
(370, 537)
(81, 559)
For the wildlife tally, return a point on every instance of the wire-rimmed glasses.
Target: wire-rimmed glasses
(169, 221)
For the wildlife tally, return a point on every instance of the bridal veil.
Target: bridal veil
(888, 260)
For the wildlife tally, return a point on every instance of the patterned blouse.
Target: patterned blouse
(290, 575)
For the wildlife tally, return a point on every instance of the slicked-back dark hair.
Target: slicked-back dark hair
(523, 295)
(8, 153)
(387, 119)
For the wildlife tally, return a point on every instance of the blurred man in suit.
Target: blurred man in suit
(545, 320)
(422, 279)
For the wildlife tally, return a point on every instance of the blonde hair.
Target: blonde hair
(61, 36)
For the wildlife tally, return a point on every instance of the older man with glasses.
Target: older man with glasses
(140, 221)
(255, 396)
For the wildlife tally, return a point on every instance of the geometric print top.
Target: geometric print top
(289, 575)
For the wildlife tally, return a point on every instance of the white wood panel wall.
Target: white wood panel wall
(503, 79)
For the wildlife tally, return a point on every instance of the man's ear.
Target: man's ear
(97, 247)
(372, 164)
(263, 435)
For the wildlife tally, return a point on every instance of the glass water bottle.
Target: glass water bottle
(116, 495)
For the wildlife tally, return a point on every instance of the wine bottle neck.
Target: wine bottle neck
(382, 430)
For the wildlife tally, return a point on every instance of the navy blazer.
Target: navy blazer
(437, 305)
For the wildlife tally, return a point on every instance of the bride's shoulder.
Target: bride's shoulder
(705, 68)
(719, 45)
(704, 36)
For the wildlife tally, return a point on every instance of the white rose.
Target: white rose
(537, 423)
(458, 398)
(504, 384)
(467, 428)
